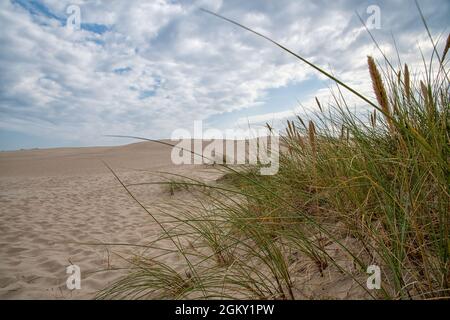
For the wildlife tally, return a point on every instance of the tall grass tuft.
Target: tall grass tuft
(375, 193)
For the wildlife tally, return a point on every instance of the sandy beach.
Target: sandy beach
(304, 151)
(63, 206)
(59, 205)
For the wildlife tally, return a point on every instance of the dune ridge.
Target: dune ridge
(57, 203)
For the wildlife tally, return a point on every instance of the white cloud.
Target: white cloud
(160, 65)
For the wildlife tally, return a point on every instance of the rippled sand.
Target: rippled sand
(57, 206)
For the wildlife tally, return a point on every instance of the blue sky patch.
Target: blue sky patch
(188, 64)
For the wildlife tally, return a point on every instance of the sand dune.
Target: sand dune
(56, 204)
(63, 206)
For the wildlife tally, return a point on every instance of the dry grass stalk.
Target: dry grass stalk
(318, 103)
(380, 92)
(447, 46)
(373, 118)
(407, 84)
(426, 97)
(312, 136)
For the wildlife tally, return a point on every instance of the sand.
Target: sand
(58, 206)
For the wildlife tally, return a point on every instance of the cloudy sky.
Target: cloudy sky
(149, 67)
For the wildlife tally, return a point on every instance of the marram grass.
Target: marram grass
(375, 193)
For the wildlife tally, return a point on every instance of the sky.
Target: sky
(147, 68)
